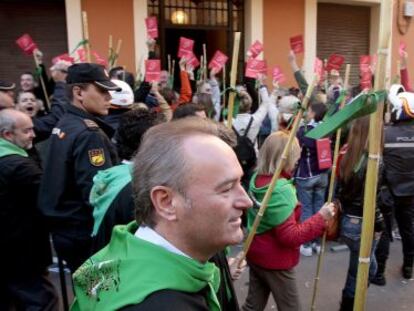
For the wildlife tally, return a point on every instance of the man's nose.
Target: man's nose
(243, 201)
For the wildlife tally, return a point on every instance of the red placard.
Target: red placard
(218, 61)
(323, 151)
(403, 48)
(335, 61)
(82, 54)
(296, 44)
(256, 48)
(366, 80)
(64, 57)
(99, 59)
(152, 27)
(152, 70)
(186, 45)
(364, 63)
(26, 43)
(255, 67)
(278, 75)
(318, 68)
(192, 60)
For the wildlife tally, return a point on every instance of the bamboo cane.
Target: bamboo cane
(169, 64)
(42, 83)
(330, 193)
(172, 73)
(325, 71)
(371, 181)
(118, 50)
(200, 77)
(110, 47)
(224, 85)
(276, 174)
(233, 77)
(86, 36)
(205, 61)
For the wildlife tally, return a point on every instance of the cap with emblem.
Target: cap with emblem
(90, 73)
(7, 86)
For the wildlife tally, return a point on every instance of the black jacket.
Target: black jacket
(24, 240)
(399, 158)
(351, 195)
(79, 148)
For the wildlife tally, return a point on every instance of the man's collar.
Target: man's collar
(147, 234)
(109, 130)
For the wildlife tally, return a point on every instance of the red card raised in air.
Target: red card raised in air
(192, 59)
(152, 27)
(278, 75)
(296, 44)
(218, 61)
(323, 151)
(364, 63)
(255, 67)
(27, 44)
(256, 48)
(335, 61)
(152, 70)
(186, 45)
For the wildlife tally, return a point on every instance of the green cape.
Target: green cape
(106, 186)
(129, 269)
(7, 148)
(281, 204)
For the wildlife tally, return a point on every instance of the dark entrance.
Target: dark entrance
(209, 22)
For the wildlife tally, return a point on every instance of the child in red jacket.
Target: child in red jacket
(274, 251)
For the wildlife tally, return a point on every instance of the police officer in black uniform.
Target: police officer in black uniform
(80, 146)
(399, 178)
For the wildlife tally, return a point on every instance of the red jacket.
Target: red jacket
(278, 248)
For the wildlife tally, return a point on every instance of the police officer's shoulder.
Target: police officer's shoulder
(91, 125)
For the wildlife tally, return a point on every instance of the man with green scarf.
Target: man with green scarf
(23, 239)
(189, 200)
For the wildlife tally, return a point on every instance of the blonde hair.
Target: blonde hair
(270, 153)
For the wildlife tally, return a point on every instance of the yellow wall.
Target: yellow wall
(282, 20)
(106, 17)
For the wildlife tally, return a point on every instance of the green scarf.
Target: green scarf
(281, 204)
(129, 269)
(106, 186)
(7, 148)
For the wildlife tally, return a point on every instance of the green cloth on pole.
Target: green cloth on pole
(281, 204)
(360, 106)
(130, 269)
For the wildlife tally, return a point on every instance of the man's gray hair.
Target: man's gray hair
(160, 160)
(7, 120)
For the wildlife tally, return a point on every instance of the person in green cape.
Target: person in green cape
(274, 252)
(189, 200)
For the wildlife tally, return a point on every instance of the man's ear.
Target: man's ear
(77, 93)
(164, 200)
(7, 135)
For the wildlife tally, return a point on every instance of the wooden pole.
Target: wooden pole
(233, 77)
(86, 36)
(110, 51)
(118, 50)
(224, 86)
(172, 73)
(371, 181)
(276, 174)
(42, 83)
(330, 192)
(200, 78)
(169, 64)
(205, 61)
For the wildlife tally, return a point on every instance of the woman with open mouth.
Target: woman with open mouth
(27, 103)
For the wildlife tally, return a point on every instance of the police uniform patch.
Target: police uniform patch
(90, 123)
(96, 157)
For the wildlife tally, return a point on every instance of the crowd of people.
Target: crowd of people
(141, 187)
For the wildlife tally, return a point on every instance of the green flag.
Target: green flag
(360, 106)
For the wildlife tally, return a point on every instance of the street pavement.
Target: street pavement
(397, 295)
